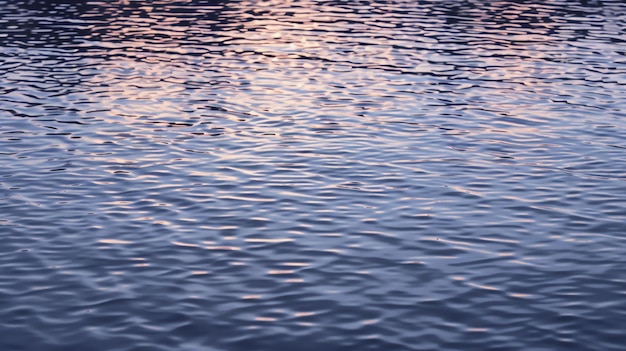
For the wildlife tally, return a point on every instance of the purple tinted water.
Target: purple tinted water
(308, 175)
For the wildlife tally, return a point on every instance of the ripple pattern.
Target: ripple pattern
(316, 174)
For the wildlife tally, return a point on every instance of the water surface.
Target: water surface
(312, 175)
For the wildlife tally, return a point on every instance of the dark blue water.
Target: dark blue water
(312, 175)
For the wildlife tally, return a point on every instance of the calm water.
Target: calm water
(312, 175)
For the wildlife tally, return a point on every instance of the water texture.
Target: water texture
(312, 175)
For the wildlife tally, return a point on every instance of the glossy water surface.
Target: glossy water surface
(312, 175)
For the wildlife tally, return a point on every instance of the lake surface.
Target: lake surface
(312, 175)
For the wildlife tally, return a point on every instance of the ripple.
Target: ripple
(279, 175)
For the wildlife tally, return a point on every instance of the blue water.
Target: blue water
(312, 175)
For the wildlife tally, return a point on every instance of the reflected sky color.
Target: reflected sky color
(309, 175)
(296, 57)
